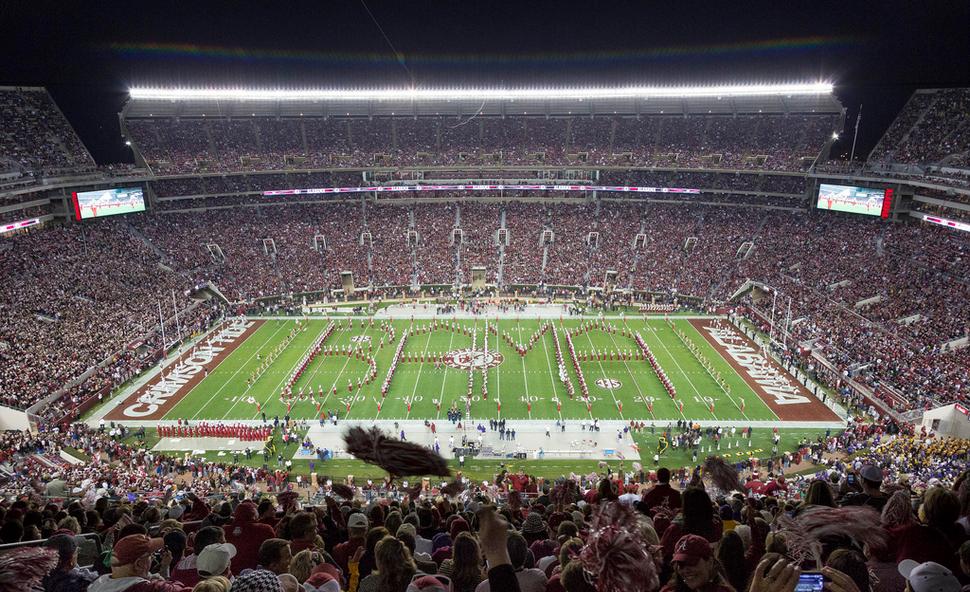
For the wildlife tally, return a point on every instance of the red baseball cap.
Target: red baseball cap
(692, 548)
(133, 547)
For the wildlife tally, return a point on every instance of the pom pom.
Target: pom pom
(514, 501)
(23, 568)
(812, 528)
(563, 493)
(287, 498)
(453, 489)
(343, 491)
(398, 458)
(493, 492)
(414, 492)
(603, 464)
(722, 475)
(616, 552)
(637, 466)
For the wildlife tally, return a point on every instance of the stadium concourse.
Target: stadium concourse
(873, 311)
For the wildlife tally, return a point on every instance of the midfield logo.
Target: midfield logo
(466, 359)
(608, 383)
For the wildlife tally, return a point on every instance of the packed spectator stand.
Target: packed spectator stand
(101, 525)
(79, 295)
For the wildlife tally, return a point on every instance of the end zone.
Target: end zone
(782, 393)
(154, 399)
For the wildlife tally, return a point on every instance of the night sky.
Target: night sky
(88, 54)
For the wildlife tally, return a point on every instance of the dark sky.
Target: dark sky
(87, 54)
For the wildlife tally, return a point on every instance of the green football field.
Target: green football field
(526, 387)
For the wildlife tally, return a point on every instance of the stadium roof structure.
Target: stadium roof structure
(783, 99)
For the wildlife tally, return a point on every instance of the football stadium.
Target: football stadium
(594, 337)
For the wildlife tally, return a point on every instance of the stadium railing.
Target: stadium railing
(94, 538)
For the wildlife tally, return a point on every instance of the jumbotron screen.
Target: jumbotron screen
(856, 200)
(108, 202)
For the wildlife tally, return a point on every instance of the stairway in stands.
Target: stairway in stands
(137, 234)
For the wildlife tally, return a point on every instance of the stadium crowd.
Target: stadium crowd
(36, 134)
(185, 146)
(883, 308)
(130, 519)
(930, 128)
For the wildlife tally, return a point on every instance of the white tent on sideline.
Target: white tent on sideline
(949, 421)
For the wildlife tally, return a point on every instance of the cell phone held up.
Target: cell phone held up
(810, 582)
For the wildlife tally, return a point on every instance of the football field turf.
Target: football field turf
(526, 386)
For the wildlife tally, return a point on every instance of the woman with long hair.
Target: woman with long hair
(695, 568)
(605, 491)
(369, 562)
(730, 554)
(465, 566)
(395, 568)
(303, 564)
(696, 517)
(819, 494)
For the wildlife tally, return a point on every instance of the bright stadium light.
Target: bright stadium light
(236, 94)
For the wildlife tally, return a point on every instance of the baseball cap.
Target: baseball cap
(407, 528)
(133, 547)
(357, 521)
(692, 548)
(64, 544)
(871, 473)
(245, 511)
(215, 559)
(321, 582)
(436, 583)
(176, 511)
(929, 576)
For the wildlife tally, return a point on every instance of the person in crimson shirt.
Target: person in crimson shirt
(267, 514)
(303, 532)
(754, 485)
(695, 567)
(662, 491)
(199, 510)
(357, 526)
(773, 487)
(246, 535)
(519, 481)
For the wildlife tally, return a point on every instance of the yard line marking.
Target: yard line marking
(339, 374)
(444, 378)
(238, 370)
(525, 379)
(552, 375)
(603, 370)
(417, 379)
(273, 391)
(635, 383)
(696, 392)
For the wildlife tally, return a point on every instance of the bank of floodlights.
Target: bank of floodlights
(457, 94)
